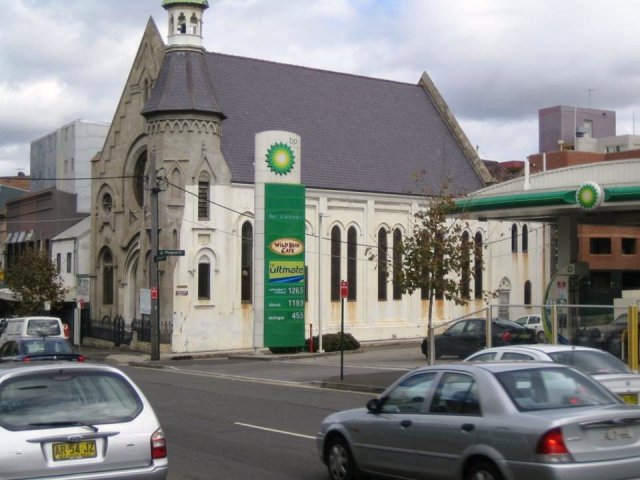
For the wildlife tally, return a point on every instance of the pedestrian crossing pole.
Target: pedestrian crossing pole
(153, 275)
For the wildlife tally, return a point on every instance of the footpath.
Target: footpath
(373, 381)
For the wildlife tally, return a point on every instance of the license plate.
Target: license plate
(617, 434)
(631, 398)
(74, 450)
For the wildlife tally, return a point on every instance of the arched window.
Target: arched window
(335, 263)
(246, 274)
(193, 27)
(352, 262)
(397, 262)
(514, 238)
(107, 278)
(203, 196)
(204, 278)
(525, 238)
(176, 183)
(182, 24)
(527, 292)
(477, 266)
(465, 274)
(107, 203)
(382, 264)
(139, 178)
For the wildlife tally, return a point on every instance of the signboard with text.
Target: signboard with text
(284, 254)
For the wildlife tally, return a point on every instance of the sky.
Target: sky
(495, 62)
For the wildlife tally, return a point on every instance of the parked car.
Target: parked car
(486, 421)
(29, 349)
(77, 421)
(612, 340)
(466, 336)
(32, 326)
(601, 365)
(533, 322)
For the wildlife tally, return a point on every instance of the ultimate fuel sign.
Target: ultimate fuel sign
(284, 284)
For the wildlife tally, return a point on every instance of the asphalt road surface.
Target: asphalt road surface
(246, 418)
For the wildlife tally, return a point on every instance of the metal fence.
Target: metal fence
(115, 329)
(599, 326)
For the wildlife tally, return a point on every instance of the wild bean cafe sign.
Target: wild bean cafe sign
(284, 265)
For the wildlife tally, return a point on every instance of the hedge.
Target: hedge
(330, 343)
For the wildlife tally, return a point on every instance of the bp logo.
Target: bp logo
(280, 158)
(590, 195)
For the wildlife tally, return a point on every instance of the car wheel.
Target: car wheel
(340, 462)
(484, 471)
(541, 337)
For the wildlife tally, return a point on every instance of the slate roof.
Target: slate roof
(358, 133)
(183, 84)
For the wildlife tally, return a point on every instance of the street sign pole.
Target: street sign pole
(153, 275)
(344, 293)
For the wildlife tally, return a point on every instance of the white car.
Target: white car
(601, 365)
(533, 322)
(77, 421)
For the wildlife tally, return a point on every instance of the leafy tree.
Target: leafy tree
(433, 257)
(33, 279)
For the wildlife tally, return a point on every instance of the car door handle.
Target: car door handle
(406, 423)
(468, 427)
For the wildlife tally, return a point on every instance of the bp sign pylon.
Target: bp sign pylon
(279, 242)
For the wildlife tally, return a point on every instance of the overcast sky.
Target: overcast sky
(496, 62)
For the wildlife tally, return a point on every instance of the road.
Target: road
(239, 419)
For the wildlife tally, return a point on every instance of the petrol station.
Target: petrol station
(605, 194)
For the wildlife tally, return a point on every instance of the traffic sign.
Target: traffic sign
(344, 289)
(175, 253)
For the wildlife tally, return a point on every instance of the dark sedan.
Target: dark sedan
(467, 336)
(29, 349)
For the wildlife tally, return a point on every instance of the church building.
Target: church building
(370, 151)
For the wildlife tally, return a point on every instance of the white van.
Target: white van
(32, 327)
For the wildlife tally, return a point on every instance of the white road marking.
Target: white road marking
(273, 430)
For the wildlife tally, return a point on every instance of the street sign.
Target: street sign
(154, 293)
(175, 253)
(344, 289)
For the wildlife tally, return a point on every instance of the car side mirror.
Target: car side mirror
(374, 405)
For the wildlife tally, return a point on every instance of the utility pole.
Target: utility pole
(153, 280)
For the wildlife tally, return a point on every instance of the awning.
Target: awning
(19, 237)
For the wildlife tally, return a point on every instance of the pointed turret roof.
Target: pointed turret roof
(183, 85)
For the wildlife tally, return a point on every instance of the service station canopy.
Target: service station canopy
(605, 193)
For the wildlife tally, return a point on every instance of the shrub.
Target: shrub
(331, 342)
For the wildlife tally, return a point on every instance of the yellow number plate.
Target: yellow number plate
(74, 451)
(631, 398)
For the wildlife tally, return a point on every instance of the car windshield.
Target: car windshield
(521, 321)
(39, 346)
(63, 397)
(507, 325)
(591, 362)
(544, 389)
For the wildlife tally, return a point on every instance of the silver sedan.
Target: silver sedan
(487, 421)
(601, 365)
(77, 421)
